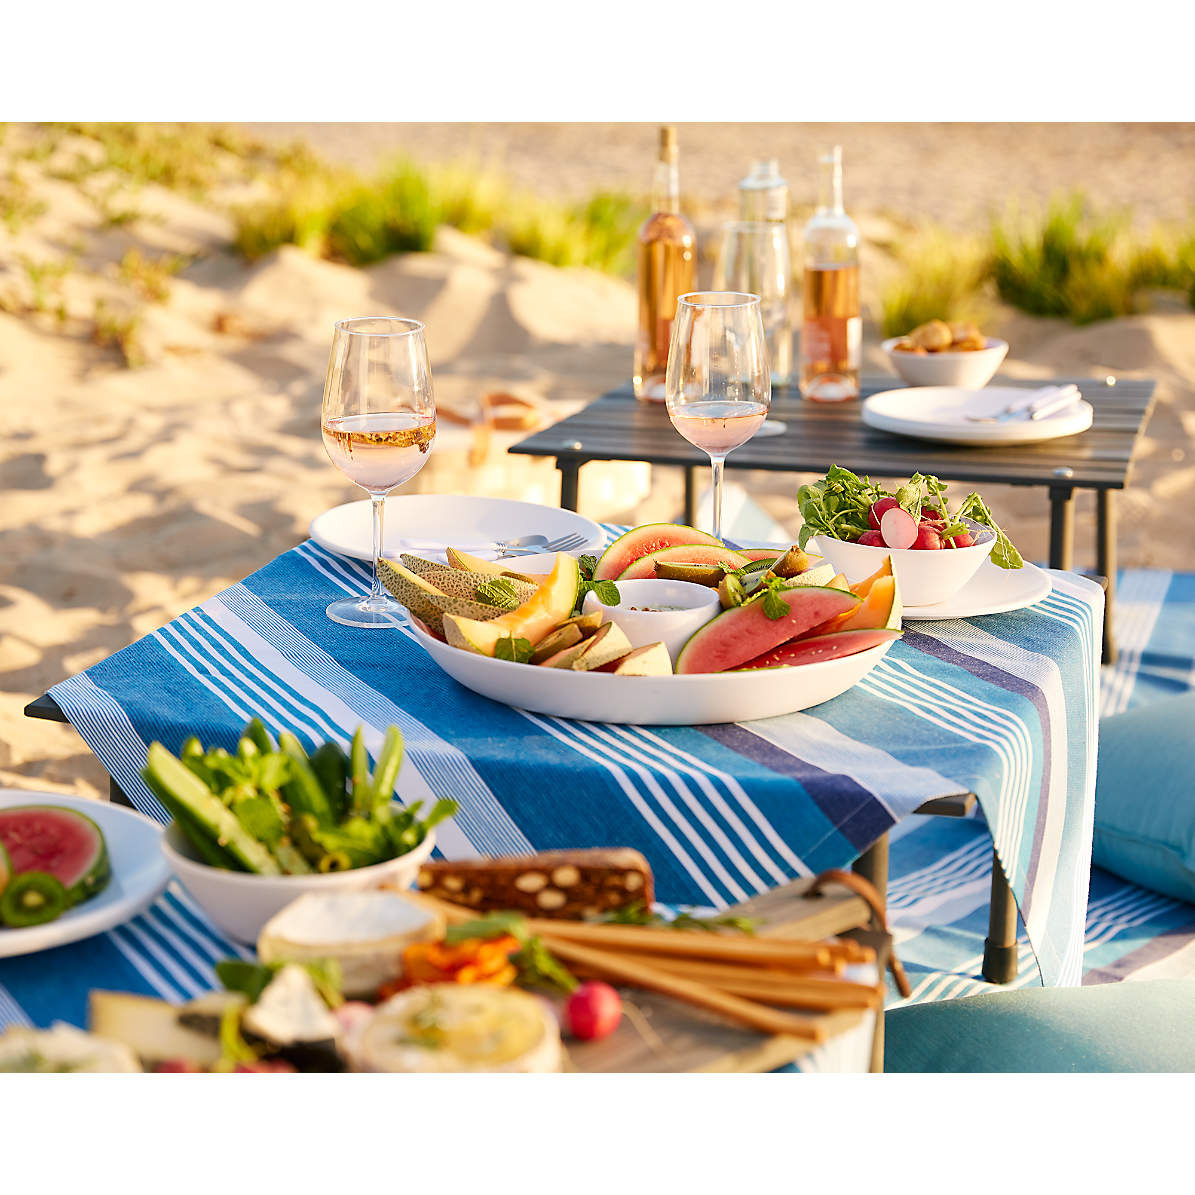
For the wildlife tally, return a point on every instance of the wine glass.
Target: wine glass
(719, 381)
(379, 421)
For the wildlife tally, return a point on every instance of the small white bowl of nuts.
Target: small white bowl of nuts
(941, 354)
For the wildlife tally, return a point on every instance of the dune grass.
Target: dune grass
(943, 278)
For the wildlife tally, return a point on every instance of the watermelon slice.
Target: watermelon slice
(708, 554)
(5, 869)
(60, 841)
(820, 647)
(744, 632)
(639, 541)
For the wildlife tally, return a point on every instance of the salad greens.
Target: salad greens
(838, 506)
(273, 810)
(607, 591)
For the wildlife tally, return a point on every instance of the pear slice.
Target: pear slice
(566, 656)
(652, 660)
(608, 644)
(585, 623)
(558, 640)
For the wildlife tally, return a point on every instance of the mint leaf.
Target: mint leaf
(773, 606)
(588, 564)
(607, 592)
(518, 651)
(498, 592)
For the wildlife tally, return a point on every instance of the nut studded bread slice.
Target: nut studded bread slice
(566, 884)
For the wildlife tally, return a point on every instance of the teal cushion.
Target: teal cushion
(1143, 1026)
(1145, 797)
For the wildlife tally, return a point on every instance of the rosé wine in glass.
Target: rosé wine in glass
(717, 427)
(379, 452)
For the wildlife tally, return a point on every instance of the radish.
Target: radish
(897, 528)
(928, 539)
(963, 540)
(876, 511)
(593, 1011)
(871, 539)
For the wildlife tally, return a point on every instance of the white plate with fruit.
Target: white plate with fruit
(784, 633)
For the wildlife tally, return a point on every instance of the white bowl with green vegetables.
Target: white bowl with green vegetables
(253, 831)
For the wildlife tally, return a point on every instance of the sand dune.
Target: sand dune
(131, 494)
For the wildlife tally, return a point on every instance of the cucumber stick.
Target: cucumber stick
(385, 775)
(359, 768)
(189, 791)
(303, 791)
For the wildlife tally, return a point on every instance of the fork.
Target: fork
(564, 543)
(1036, 404)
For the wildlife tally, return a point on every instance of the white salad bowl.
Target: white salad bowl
(923, 578)
(241, 902)
(696, 700)
(969, 369)
(689, 606)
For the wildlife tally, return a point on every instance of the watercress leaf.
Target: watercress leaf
(517, 650)
(607, 592)
(1004, 555)
(494, 925)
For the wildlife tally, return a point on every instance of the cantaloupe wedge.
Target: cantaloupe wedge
(474, 564)
(534, 620)
(864, 587)
(879, 609)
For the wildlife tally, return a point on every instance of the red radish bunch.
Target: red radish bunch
(593, 1011)
(893, 527)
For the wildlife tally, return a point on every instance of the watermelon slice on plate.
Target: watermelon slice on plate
(59, 841)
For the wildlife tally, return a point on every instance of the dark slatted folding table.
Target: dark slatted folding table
(616, 427)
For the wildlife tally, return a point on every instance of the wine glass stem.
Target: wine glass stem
(716, 463)
(379, 516)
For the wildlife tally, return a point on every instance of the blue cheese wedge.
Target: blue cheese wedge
(365, 932)
(460, 1027)
(63, 1049)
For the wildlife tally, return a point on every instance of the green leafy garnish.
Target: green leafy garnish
(537, 965)
(607, 592)
(498, 591)
(774, 606)
(251, 979)
(518, 651)
(587, 565)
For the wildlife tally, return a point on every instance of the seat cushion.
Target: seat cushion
(1143, 1026)
(1145, 797)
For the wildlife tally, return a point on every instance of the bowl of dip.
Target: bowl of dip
(652, 610)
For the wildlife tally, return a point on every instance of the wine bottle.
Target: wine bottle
(831, 324)
(667, 262)
(763, 200)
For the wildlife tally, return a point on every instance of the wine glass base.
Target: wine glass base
(368, 613)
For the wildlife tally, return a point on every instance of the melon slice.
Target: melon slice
(5, 869)
(534, 620)
(475, 564)
(744, 632)
(820, 647)
(429, 604)
(609, 643)
(708, 554)
(568, 635)
(566, 656)
(864, 587)
(761, 553)
(61, 841)
(880, 608)
(639, 541)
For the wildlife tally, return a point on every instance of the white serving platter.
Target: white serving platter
(425, 524)
(993, 590)
(653, 700)
(139, 874)
(939, 413)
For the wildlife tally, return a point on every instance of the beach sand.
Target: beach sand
(128, 495)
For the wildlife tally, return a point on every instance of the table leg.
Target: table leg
(117, 795)
(1106, 564)
(1000, 948)
(691, 482)
(872, 865)
(1062, 527)
(570, 478)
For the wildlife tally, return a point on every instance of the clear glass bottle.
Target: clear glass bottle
(667, 269)
(831, 322)
(763, 215)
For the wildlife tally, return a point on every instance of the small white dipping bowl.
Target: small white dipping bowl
(971, 370)
(699, 603)
(240, 902)
(922, 578)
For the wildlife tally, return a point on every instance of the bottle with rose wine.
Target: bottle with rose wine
(831, 324)
(667, 269)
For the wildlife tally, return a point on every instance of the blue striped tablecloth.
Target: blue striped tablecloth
(1003, 706)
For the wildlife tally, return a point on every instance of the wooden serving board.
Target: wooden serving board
(681, 1038)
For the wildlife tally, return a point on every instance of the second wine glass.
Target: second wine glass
(719, 383)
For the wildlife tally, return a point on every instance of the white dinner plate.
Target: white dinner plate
(426, 524)
(993, 590)
(139, 874)
(939, 413)
(653, 700)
